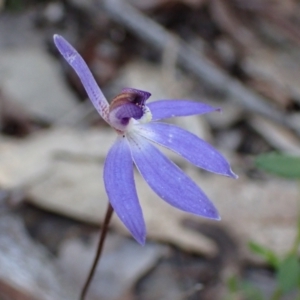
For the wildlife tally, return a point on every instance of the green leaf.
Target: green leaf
(251, 292)
(15, 5)
(233, 284)
(280, 164)
(267, 254)
(289, 273)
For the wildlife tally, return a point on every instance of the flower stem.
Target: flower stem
(104, 230)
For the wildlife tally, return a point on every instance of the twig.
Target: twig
(154, 34)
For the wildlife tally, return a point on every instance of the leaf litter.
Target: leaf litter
(59, 169)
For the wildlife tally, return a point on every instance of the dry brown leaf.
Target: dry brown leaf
(27, 267)
(277, 65)
(32, 79)
(132, 261)
(263, 211)
(229, 21)
(156, 4)
(277, 136)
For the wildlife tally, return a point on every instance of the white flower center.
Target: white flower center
(146, 118)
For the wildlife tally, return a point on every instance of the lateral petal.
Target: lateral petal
(78, 64)
(168, 181)
(121, 191)
(164, 109)
(188, 145)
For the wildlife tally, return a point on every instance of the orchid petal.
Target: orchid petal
(121, 191)
(164, 109)
(168, 181)
(188, 145)
(78, 64)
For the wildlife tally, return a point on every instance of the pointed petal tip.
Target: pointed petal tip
(57, 38)
(140, 239)
(213, 215)
(229, 173)
(59, 42)
(206, 210)
(233, 175)
(143, 242)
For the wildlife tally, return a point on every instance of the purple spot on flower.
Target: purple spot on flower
(139, 97)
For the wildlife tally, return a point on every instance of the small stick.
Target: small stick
(104, 230)
(189, 58)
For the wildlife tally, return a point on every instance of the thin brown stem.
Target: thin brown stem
(104, 230)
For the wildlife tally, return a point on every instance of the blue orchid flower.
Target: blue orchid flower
(138, 128)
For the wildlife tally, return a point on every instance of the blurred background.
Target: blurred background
(242, 56)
